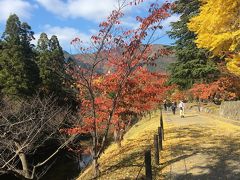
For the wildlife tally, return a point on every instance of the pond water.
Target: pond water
(64, 168)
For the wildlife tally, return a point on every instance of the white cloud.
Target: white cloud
(20, 7)
(167, 22)
(65, 35)
(93, 31)
(88, 9)
(130, 21)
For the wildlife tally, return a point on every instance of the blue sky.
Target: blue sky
(71, 18)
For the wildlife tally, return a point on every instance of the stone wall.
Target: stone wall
(207, 108)
(230, 109)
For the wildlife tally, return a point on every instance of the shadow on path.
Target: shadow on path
(213, 156)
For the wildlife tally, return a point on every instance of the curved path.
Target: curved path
(200, 147)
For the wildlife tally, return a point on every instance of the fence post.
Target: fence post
(161, 123)
(148, 164)
(160, 138)
(156, 149)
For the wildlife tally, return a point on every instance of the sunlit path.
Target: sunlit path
(200, 147)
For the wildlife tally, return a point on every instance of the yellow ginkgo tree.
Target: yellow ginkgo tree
(218, 29)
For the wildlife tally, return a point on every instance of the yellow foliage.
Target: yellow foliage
(233, 64)
(98, 80)
(218, 28)
(118, 163)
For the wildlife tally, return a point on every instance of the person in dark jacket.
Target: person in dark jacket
(165, 104)
(174, 107)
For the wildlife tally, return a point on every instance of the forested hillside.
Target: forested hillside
(161, 64)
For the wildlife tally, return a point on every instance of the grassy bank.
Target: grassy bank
(127, 162)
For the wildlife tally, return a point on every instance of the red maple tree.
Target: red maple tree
(123, 86)
(225, 88)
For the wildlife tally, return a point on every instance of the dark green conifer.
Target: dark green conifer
(58, 62)
(192, 63)
(51, 64)
(18, 72)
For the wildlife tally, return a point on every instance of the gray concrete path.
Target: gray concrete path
(200, 147)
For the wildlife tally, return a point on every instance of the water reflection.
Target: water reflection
(65, 167)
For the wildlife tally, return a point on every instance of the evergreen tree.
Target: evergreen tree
(192, 63)
(1, 45)
(58, 62)
(32, 69)
(70, 82)
(51, 64)
(18, 72)
(44, 63)
(1, 51)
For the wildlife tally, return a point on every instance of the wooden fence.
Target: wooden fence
(158, 146)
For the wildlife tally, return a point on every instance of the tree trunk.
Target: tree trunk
(95, 164)
(118, 137)
(199, 105)
(23, 159)
(24, 162)
(115, 135)
(119, 143)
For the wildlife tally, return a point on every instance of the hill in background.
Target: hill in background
(161, 63)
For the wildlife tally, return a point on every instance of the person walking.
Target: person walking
(182, 108)
(165, 104)
(174, 106)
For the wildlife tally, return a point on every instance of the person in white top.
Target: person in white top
(181, 106)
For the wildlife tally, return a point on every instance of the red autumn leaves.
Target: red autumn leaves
(142, 93)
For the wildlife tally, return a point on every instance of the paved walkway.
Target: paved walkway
(200, 147)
